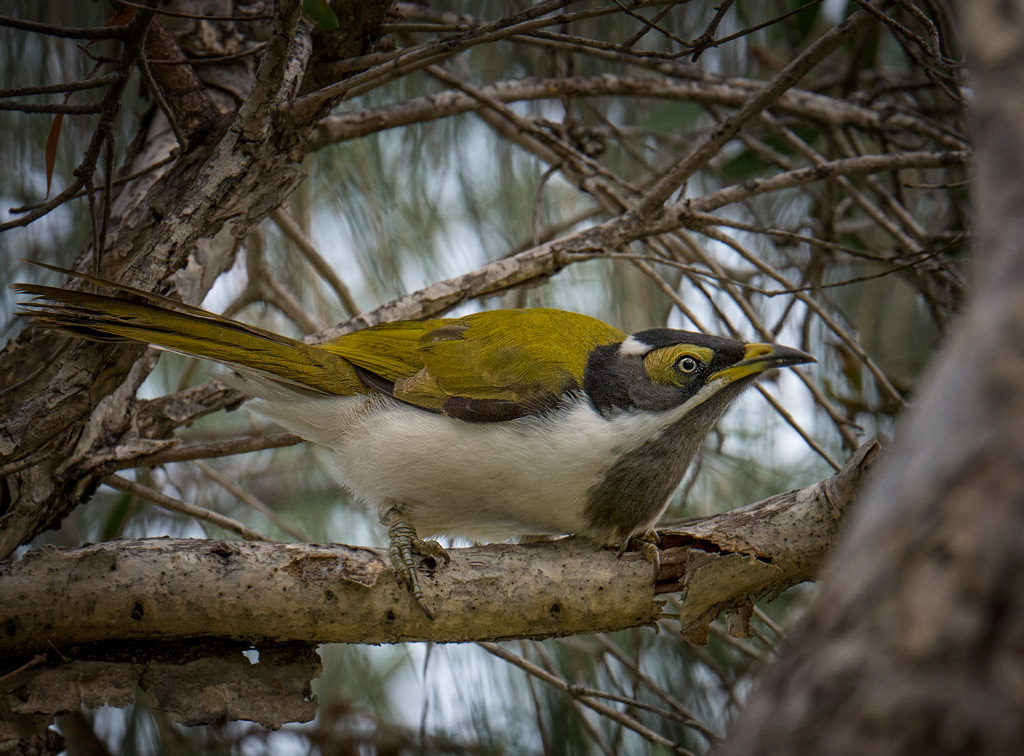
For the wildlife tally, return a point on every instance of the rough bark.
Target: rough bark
(915, 644)
(176, 229)
(729, 562)
(157, 610)
(192, 683)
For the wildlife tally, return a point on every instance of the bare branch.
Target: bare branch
(290, 228)
(731, 92)
(782, 81)
(71, 86)
(279, 591)
(213, 450)
(182, 507)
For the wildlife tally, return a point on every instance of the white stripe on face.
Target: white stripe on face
(633, 345)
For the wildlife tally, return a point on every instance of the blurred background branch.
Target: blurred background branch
(450, 158)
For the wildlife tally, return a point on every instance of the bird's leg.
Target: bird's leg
(648, 546)
(402, 542)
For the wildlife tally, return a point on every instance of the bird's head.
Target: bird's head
(662, 369)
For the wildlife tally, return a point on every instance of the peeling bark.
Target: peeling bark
(729, 562)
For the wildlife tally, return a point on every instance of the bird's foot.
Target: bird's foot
(646, 545)
(402, 542)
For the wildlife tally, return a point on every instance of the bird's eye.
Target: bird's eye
(687, 364)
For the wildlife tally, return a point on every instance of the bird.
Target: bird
(503, 423)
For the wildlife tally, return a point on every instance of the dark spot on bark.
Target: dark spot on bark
(137, 612)
(11, 628)
(223, 551)
(556, 610)
(390, 616)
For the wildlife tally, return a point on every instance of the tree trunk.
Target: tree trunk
(178, 230)
(915, 644)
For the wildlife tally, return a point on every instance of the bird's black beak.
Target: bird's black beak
(760, 357)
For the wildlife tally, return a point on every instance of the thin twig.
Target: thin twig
(212, 450)
(67, 32)
(249, 499)
(195, 16)
(120, 180)
(69, 86)
(181, 507)
(682, 713)
(606, 711)
(291, 229)
(161, 101)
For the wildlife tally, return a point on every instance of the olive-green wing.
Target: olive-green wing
(485, 367)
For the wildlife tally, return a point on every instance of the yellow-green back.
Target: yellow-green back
(509, 355)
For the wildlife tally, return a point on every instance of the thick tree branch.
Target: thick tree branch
(193, 683)
(87, 625)
(256, 592)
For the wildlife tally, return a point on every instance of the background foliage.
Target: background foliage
(563, 126)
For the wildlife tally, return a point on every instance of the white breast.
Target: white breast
(482, 481)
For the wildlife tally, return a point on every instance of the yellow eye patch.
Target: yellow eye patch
(668, 366)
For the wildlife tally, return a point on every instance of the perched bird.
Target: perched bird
(494, 425)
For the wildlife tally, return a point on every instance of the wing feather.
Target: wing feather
(486, 367)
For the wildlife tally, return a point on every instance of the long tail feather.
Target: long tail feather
(152, 319)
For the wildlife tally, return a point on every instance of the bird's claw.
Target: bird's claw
(402, 543)
(647, 545)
